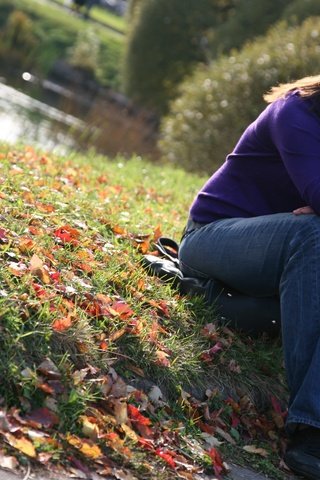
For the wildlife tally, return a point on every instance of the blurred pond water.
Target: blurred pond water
(27, 120)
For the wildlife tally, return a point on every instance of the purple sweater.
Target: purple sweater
(275, 166)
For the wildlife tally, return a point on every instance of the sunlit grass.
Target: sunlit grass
(72, 290)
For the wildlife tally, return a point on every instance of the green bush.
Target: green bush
(167, 38)
(299, 10)
(246, 20)
(218, 102)
(55, 34)
(17, 39)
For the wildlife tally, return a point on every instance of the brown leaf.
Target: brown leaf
(44, 417)
(162, 359)
(38, 269)
(49, 369)
(120, 411)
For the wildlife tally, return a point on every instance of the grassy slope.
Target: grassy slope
(104, 16)
(72, 292)
(56, 30)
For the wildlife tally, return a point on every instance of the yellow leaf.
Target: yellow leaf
(86, 447)
(129, 433)
(22, 444)
(89, 428)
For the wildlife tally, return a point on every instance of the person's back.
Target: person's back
(263, 162)
(255, 227)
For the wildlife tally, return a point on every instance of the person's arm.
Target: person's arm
(296, 134)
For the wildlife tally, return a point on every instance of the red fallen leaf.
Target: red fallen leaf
(216, 461)
(67, 234)
(55, 276)
(43, 416)
(209, 354)
(235, 420)
(215, 349)
(205, 427)
(62, 324)
(277, 407)
(3, 236)
(122, 309)
(146, 443)
(140, 422)
(136, 416)
(210, 331)
(40, 291)
(167, 456)
(103, 345)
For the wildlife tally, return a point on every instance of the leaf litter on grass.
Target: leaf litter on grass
(99, 362)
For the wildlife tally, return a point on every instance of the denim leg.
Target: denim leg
(265, 256)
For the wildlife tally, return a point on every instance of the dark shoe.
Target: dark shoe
(162, 268)
(303, 453)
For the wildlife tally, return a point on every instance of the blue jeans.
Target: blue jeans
(265, 256)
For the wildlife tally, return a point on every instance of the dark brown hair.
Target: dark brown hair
(307, 86)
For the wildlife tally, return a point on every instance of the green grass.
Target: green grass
(109, 18)
(55, 31)
(72, 292)
(104, 16)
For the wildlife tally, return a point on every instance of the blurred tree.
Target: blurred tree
(18, 39)
(299, 10)
(245, 21)
(218, 102)
(166, 39)
(85, 52)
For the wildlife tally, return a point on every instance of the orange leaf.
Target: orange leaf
(62, 324)
(162, 358)
(88, 448)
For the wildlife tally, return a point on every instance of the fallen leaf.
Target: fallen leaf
(38, 269)
(8, 462)
(162, 358)
(86, 447)
(43, 416)
(22, 444)
(62, 324)
(256, 450)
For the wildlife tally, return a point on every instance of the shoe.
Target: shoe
(303, 453)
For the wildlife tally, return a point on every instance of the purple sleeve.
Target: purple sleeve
(296, 134)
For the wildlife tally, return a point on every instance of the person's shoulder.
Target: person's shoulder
(293, 107)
